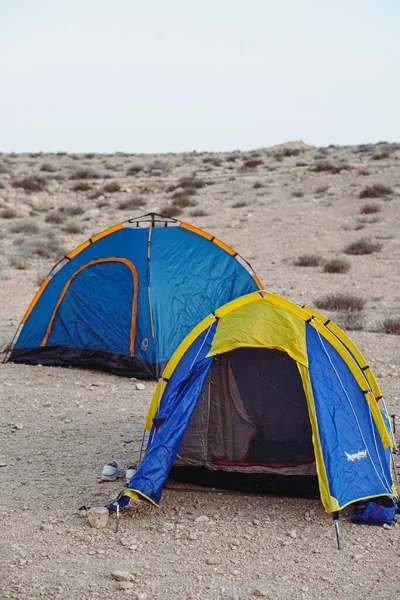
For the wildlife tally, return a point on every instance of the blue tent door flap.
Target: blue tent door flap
(97, 308)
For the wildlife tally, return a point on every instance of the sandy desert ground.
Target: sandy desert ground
(59, 426)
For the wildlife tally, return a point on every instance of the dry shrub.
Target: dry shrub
(322, 189)
(192, 183)
(362, 247)
(183, 200)
(363, 172)
(252, 163)
(24, 226)
(369, 209)
(231, 158)
(86, 174)
(55, 217)
(73, 228)
(4, 169)
(90, 155)
(213, 160)
(95, 194)
(112, 187)
(329, 168)
(19, 263)
(390, 326)
(380, 156)
(81, 186)
(134, 170)
(48, 168)
(307, 260)
(336, 265)
(198, 212)
(131, 203)
(298, 194)
(47, 247)
(30, 184)
(239, 204)
(8, 213)
(376, 191)
(257, 185)
(73, 210)
(351, 320)
(170, 211)
(340, 301)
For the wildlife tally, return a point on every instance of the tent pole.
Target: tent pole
(141, 448)
(336, 523)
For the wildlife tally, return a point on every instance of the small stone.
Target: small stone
(141, 596)
(125, 585)
(98, 517)
(202, 519)
(122, 576)
(386, 526)
(140, 386)
(46, 527)
(18, 426)
(192, 537)
(2, 464)
(213, 560)
(128, 542)
(259, 593)
(98, 384)
(292, 534)
(357, 557)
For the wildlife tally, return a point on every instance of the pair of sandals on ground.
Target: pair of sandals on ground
(113, 471)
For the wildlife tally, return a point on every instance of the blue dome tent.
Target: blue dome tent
(123, 300)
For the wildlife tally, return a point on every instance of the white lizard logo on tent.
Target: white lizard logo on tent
(357, 455)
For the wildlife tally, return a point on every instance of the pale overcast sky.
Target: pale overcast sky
(180, 75)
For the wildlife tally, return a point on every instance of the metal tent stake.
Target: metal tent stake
(336, 523)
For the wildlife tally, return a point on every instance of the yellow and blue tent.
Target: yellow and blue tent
(124, 300)
(263, 385)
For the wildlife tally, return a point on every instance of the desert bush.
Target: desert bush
(362, 247)
(340, 301)
(213, 160)
(375, 191)
(390, 326)
(73, 228)
(30, 184)
(81, 186)
(48, 168)
(336, 265)
(307, 260)
(72, 210)
(252, 163)
(134, 170)
(329, 168)
(257, 185)
(55, 217)
(231, 158)
(380, 156)
(24, 226)
(112, 187)
(90, 155)
(298, 194)
(95, 194)
(239, 204)
(351, 320)
(19, 263)
(86, 174)
(368, 209)
(192, 183)
(8, 213)
(48, 248)
(183, 200)
(131, 203)
(363, 172)
(4, 169)
(322, 189)
(170, 211)
(198, 212)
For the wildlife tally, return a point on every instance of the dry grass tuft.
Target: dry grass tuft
(72, 210)
(30, 184)
(362, 247)
(48, 168)
(24, 226)
(8, 213)
(329, 168)
(111, 187)
(376, 191)
(131, 203)
(81, 186)
(390, 326)
(322, 189)
(369, 209)
(239, 204)
(298, 194)
(198, 212)
(182, 200)
(257, 185)
(380, 156)
(351, 320)
(336, 265)
(86, 174)
(340, 301)
(252, 163)
(307, 260)
(19, 263)
(55, 217)
(73, 228)
(134, 170)
(170, 211)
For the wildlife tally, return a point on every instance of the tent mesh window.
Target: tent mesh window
(251, 417)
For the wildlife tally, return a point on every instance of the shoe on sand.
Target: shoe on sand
(130, 471)
(112, 471)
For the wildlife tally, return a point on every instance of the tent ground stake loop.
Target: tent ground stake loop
(336, 523)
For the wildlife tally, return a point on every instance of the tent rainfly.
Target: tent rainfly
(263, 385)
(124, 300)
